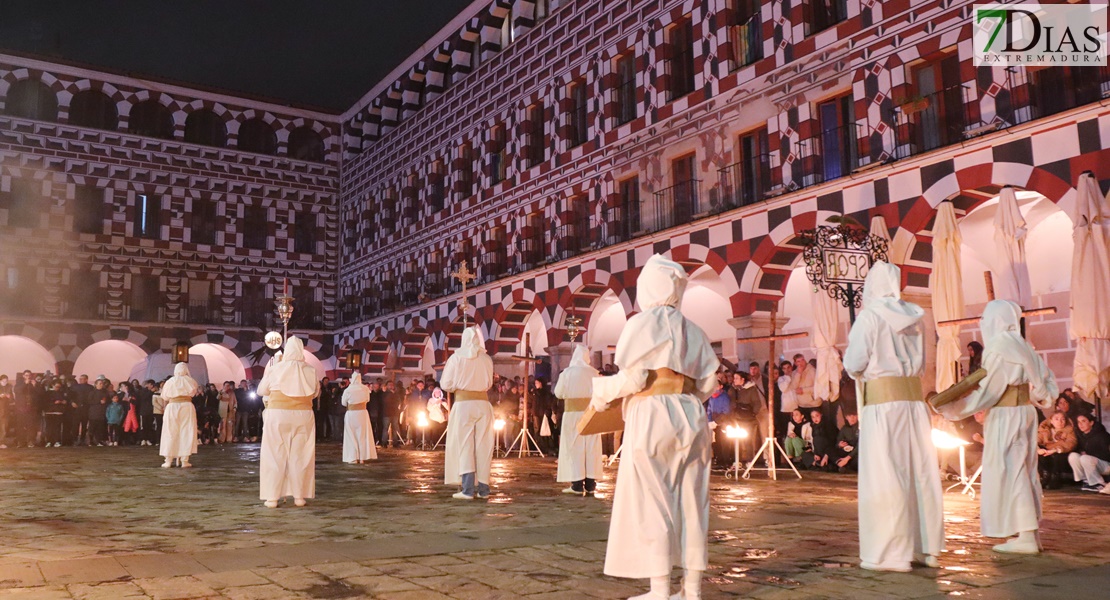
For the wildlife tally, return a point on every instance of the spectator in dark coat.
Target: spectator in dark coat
(824, 432)
(26, 397)
(847, 444)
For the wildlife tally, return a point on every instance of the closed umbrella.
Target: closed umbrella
(826, 382)
(948, 295)
(1009, 243)
(1090, 290)
(878, 228)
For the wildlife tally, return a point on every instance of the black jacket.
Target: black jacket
(1095, 443)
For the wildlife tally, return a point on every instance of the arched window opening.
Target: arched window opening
(205, 127)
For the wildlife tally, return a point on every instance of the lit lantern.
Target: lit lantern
(180, 353)
(354, 359)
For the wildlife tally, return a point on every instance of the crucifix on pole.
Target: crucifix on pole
(464, 276)
(524, 438)
(770, 444)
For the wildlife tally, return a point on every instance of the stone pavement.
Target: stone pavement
(92, 523)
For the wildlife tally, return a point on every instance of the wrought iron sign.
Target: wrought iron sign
(838, 259)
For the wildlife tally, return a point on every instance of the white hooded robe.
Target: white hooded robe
(900, 506)
(1011, 498)
(579, 455)
(661, 504)
(179, 421)
(288, 455)
(358, 435)
(470, 426)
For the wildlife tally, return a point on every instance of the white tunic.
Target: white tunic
(470, 426)
(579, 455)
(661, 504)
(358, 435)
(1011, 498)
(287, 460)
(900, 506)
(179, 421)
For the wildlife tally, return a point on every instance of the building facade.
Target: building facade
(552, 147)
(143, 214)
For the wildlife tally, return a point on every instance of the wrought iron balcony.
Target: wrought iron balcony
(830, 154)
(747, 182)
(491, 265)
(673, 206)
(1046, 92)
(929, 122)
(529, 253)
(570, 239)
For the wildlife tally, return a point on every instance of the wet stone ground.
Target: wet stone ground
(108, 523)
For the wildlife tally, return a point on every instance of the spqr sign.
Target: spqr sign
(846, 266)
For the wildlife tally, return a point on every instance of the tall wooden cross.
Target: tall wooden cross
(769, 444)
(464, 276)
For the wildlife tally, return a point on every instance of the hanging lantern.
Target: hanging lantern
(354, 359)
(180, 353)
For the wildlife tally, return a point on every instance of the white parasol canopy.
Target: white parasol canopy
(879, 228)
(1009, 242)
(948, 294)
(826, 382)
(1090, 287)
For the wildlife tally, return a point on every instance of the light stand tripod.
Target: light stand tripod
(770, 443)
(524, 442)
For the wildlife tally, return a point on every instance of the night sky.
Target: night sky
(321, 53)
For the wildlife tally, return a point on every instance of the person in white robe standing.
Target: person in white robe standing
(468, 374)
(288, 455)
(179, 420)
(661, 504)
(358, 436)
(579, 455)
(1017, 382)
(901, 518)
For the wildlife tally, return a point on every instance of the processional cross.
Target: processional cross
(464, 276)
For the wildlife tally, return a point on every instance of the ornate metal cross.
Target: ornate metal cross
(464, 276)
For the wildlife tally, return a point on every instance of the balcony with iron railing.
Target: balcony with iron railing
(410, 290)
(747, 41)
(830, 154)
(747, 182)
(499, 166)
(931, 121)
(1052, 90)
(491, 265)
(578, 126)
(673, 206)
(529, 253)
(626, 101)
(615, 224)
(203, 313)
(570, 239)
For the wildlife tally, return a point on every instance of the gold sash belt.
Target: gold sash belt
(280, 400)
(1015, 395)
(178, 399)
(575, 404)
(891, 389)
(357, 406)
(662, 382)
(468, 395)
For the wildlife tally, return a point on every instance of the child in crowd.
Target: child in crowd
(799, 435)
(114, 415)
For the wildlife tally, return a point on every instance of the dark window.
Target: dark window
(254, 306)
(747, 33)
(205, 127)
(83, 295)
(306, 313)
(94, 109)
(304, 240)
(682, 59)
(754, 170)
(465, 172)
(576, 118)
(630, 205)
(148, 213)
(306, 144)
(824, 14)
(935, 114)
(88, 209)
(151, 119)
(204, 221)
(31, 99)
(838, 141)
(435, 188)
(145, 298)
(1051, 90)
(625, 93)
(499, 157)
(19, 296)
(203, 303)
(540, 11)
(256, 135)
(536, 146)
(255, 227)
(22, 204)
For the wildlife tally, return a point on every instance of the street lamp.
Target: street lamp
(735, 433)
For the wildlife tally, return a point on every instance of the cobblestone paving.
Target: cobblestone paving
(108, 523)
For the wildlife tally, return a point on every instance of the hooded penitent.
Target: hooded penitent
(882, 294)
(358, 434)
(357, 392)
(579, 456)
(661, 504)
(576, 380)
(291, 376)
(1001, 327)
(468, 374)
(181, 384)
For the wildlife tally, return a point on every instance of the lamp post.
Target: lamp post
(735, 433)
(284, 308)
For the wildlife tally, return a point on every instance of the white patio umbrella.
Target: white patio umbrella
(948, 295)
(826, 382)
(1090, 290)
(1009, 242)
(878, 227)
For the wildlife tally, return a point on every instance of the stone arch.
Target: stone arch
(113, 357)
(510, 316)
(223, 364)
(412, 343)
(693, 256)
(19, 353)
(582, 294)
